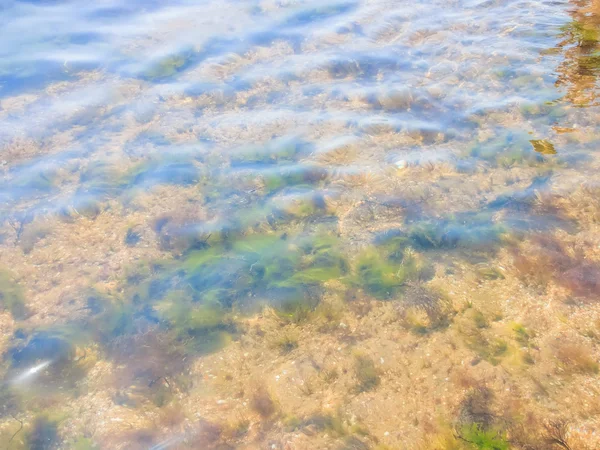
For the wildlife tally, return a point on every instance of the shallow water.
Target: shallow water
(250, 224)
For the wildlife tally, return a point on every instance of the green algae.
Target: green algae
(43, 434)
(384, 269)
(584, 34)
(469, 231)
(11, 296)
(490, 349)
(83, 443)
(509, 148)
(286, 343)
(204, 326)
(490, 273)
(168, 66)
(102, 178)
(523, 335)
(278, 268)
(298, 177)
(40, 180)
(425, 309)
(377, 276)
(277, 152)
(482, 439)
(193, 301)
(367, 375)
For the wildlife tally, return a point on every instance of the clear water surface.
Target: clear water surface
(297, 224)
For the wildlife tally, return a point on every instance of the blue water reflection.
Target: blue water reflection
(171, 170)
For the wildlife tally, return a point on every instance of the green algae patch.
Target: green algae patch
(383, 270)
(204, 327)
(192, 318)
(277, 152)
(367, 375)
(476, 232)
(11, 296)
(483, 439)
(84, 443)
(99, 177)
(582, 33)
(511, 148)
(490, 349)
(468, 231)
(168, 66)
(280, 269)
(38, 180)
(523, 335)
(378, 276)
(301, 176)
(43, 432)
(425, 310)
(193, 301)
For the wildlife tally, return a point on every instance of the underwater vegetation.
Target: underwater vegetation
(43, 433)
(276, 152)
(385, 268)
(100, 178)
(478, 425)
(474, 231)
(581, 205)
(48, 361)
(367, 375)
(513, 147)
(583, 34)
(263, 403)
(312, 15)
(204, 323)
(546, 260)
(29, 181)
(576, 358)
(296, 176)
(11, 296)
(183, 173)
(168, 66)
(425, 310)
(484, 439)
(172, 309)
(282, 270)
(132, 237)
(378, 276)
